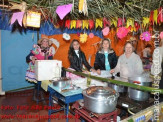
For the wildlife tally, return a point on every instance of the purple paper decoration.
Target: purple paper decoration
(17, 16)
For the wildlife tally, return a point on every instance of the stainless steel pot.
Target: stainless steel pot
(138, 94)
(118, 88)
(61, 83)
(101, 100)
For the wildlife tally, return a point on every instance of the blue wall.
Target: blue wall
(15, 47)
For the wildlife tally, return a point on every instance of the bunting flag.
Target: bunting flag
(130, 22)
(145, 21)
(99, 23)
(63, 10)
(160, 15)
(17, 16)
(155, 16)
(73, 24)
(78, 23)
(91, 24)
(106, 22)
(67, 24)
(114, 22)
(85, 24)
(151, 18)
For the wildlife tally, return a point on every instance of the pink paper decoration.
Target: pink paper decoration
(122, 32)
(91, 35)
(17, 16)
(161, 35)
(146, 36)
(63, 10)
(105, 31)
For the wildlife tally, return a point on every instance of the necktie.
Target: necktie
(107, 65)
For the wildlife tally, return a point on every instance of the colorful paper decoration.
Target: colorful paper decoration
(91, 35)
(63, 10)
(119, 22)
(122, 32)
(145, 21)
(91, 24)
(160, 15)
(161, 35)
(67, 24)
(137, 26)
(85, 24)
(17, 16)
(22, 7)
(83, 38)
(130, 22)
(105, 31)
(73, 24)
(99, 23)
(78, 23)
(106, 22)
(151, 18)
(146, 36)
(83, 7)
(66, 36)
(114, 22)
(155, 16)
(33, 19)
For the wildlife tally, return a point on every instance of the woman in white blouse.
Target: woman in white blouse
(129, 64)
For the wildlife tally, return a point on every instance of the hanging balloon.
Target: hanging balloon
(91, 24)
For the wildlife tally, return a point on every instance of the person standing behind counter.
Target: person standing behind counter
(106, 58)
(77, 57)
(129, 64)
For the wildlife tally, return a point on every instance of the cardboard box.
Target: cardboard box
(48, 69)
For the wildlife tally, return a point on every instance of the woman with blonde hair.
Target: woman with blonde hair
(106, 58)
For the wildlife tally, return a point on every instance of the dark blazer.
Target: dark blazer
(77, 62)
(100, 60)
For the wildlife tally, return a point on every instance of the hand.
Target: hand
(112, 71)
(98, 72)
(85, 71)
(93, 70)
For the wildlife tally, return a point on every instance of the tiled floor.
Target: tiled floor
(19, 107)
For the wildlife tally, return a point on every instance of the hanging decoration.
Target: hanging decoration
(122, 32)
(98, 23)
(145, 21)
(161, 35)
(160, 15)
(67, 24)
(130, 22)
(106, 22)
(83, 38)
(63, 10)
(79, 24)
(145, 36)
(155, 16)
(151, 18)
(91, 24)
(137, 26)
(83, 7)
(119, 22)
(17, 16)
(33, 19)
(105, 31)
(85, 24)
(114, 22)
(73, 24)
(91, 35)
